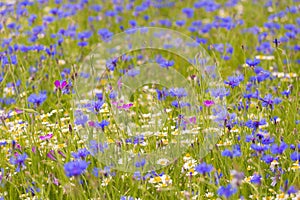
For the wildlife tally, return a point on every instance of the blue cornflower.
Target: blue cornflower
(132, 23)
(75, 168)
(105, 34)
(180, 22)
(37, 99)
(259, 148)
(295, 156)
(13, 59)
(180, 104)
(165, 22)
(178, 92)
(96, 7)
(255, 124)
(234, 81)
(267, 140)
(113, 95)
(138, 139)
(268, 101)
(137, 175)
(133, 72)
(106, 171)
(81, 153)
(278, 149)
(219, 92)
(96, 147)
(84, 35)
(203, 168)
(252, 63)
(102, 124)
(256, 179)
(236, 152)
(164, 63)
(292, 190)
(140, 163)
(162, 94)
(267, 159)
(111, 64)
(80, 118)
(167, 63)
(19, 160)
(33, 189)
(82, 43)
(226, 191)
(126, 198)
(189, 12)
(95, 105)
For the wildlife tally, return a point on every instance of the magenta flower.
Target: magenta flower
(51, 155)
(46, 137)
(125, 106)
(208, 103)
(60, 84)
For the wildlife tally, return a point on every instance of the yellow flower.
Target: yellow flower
(110, 140)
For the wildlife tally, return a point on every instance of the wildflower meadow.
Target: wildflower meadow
(149, 99)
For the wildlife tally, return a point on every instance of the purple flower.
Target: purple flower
(203, 168)
(46, 137)
(208, 103)
(75, 168)
(60, 84)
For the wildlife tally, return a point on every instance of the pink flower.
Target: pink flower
(51, 155)
(208, 103)
(60, 84)
(91, 123)
(125, 106)
(193, 120)
(46, 137)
